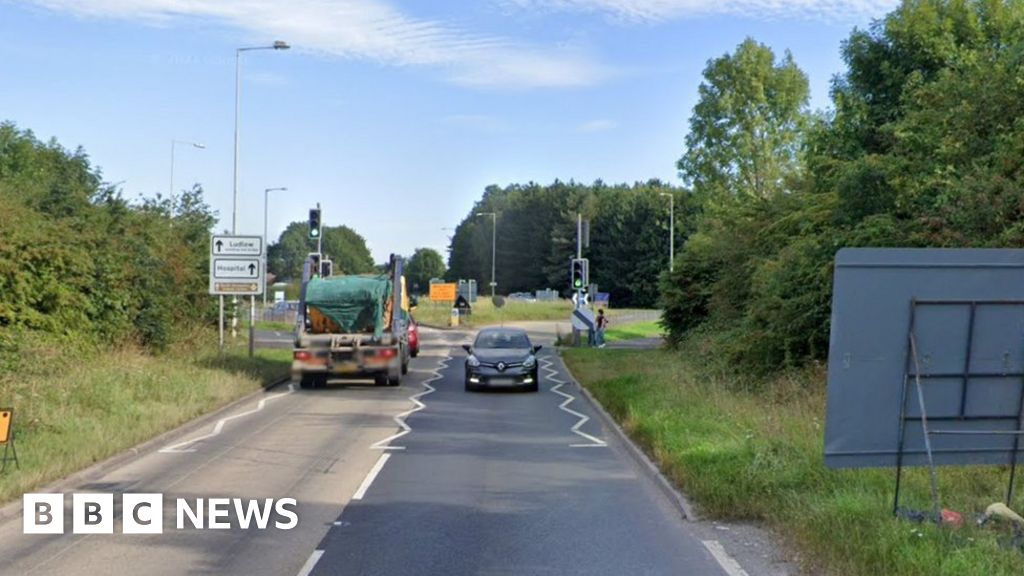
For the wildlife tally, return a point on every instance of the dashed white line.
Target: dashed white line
(385, 444)
(307, 568)
(731, 567)
(178, 448)
(371, 476)
(583, 418)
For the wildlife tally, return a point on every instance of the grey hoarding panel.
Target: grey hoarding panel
(868, 354)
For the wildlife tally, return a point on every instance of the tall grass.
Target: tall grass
(751, 449)
(78, 405)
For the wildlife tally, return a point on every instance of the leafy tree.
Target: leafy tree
(424, 264)
(745, 130)
(344, 246)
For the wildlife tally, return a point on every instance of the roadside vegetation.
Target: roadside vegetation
(751, 449)
(116, 397)
(633, 330)
(107, 333)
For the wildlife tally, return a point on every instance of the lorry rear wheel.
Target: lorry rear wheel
(380, 380)
(307, 381)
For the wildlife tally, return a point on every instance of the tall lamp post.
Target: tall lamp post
(494, 238)
(174, 143)
(277, 45)
(671, 231)
(266, 201)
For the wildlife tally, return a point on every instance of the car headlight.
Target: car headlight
(472, 361)
(530, 362)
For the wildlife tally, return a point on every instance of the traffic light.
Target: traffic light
(579, 273)
(314, 224)
(314, 265)
(326, 268)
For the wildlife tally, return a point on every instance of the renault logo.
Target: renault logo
(501, 366)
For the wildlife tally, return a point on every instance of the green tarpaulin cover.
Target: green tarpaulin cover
(356, 303)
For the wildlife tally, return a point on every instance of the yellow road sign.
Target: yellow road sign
(6, 415)
(442, 292)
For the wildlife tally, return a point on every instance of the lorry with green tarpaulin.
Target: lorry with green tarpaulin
(352, 325)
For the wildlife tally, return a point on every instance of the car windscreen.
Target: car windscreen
(502, 340)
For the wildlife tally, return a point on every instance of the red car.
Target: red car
(414, 338)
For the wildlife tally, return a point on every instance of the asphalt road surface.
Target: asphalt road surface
(472, 483)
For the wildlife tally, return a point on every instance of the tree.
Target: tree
(346, 249)
(424, 264)
(745, 130)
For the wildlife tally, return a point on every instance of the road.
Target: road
(482, 483)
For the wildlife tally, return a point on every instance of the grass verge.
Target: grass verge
(485, 313)
(752, 450)
(76, 406)
(633, 331)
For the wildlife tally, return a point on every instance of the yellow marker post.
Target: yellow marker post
(7, 438)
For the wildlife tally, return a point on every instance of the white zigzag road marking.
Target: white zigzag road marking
(400, 418)
(178, 448)
(583, 418)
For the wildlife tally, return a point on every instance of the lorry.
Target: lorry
(352, 325)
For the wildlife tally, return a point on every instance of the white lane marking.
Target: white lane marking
(583, 418)
(371, 476)
(178, 448)
(307, 568)
(415, 398)
(731, 567)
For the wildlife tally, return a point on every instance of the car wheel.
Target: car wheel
(405, 368)
(469, 387)
(415, 352)
(395, 376)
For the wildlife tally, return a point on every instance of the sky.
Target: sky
(394, 115)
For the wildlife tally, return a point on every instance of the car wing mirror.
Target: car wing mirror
(537, 348)
(467, 348)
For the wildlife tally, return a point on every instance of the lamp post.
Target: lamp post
(266, 201)
(494, 238)
(173, 144)
(671, 231)
(277, 45)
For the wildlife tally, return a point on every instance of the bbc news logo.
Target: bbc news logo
(144, 513)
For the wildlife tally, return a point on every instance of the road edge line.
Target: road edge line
(727, 562)
(674, 495)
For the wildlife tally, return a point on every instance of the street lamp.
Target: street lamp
(494, 238)
(671, 231)
(277, 45)
(266, 200)
(173, 144)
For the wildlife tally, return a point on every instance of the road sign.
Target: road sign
(236, 276)
(5, 424)
(224, 245)
(583, 319)
(442, 292)
(586, 298)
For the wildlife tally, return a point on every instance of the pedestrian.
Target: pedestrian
(602, 323)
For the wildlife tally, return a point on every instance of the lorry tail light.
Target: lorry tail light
(387, 353)
(302, 355)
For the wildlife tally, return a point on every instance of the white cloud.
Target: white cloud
(661, 10)
(599, 125)
(368, 30)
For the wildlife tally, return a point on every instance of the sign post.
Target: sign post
(7, 438)
(236, 269)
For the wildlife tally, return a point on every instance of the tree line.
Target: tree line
(80, 262)
(536, 237)
(922, 146)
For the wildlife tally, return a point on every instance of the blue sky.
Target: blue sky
(394, 115)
